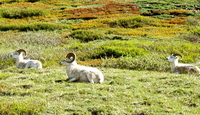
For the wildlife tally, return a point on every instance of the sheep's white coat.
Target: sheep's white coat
(81, 73)
(180, 67)
(22, 63)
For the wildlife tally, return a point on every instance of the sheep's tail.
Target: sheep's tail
(101, 78)
(39, 65)
(198, 69)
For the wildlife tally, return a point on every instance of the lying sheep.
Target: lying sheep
(181, 68)
(25, 63)
(81, 73)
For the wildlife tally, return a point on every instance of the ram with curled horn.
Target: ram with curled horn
(177, 67)
(25, 63)
(177, 54)
(22, 51)
(80, 73)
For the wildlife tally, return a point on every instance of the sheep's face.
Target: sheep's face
(63, 62)
(15, 55)
(172, 58)
(70, 58)
(66, 61)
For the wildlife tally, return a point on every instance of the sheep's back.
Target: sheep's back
(34, 64)
(186, 69)
(82, 73)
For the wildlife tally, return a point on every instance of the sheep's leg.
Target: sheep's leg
(188, 72)
(175, 72)
(72, 79)
(27, 65)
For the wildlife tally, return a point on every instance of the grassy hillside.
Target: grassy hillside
(128, 40)
(124, 91)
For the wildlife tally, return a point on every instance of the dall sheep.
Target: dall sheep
(22, 63)
(180, 67)
(81, 73)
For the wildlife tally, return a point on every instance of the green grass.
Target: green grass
(46, 91)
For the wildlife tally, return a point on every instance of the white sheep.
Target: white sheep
(81, 73)
(180, 67)
(25, 63)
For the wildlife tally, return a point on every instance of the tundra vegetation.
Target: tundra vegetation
(128, 40)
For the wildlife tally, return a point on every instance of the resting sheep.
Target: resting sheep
(22, 63)
(181, 68)
(81, 73)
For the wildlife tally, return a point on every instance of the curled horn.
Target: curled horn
(177, 54)
(73, 55)
(21, 50)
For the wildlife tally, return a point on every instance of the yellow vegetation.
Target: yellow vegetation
(95, 62)
(152, 32)
(27, 5)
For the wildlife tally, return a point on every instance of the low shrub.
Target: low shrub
(131, 22)
(87, 35)
(192, 38)
(117, 51)
(117, 48)
(195, 38)
(177, 12)
(33, 26)
(43, 26)
(116, 37)
(21, 13)
(194, 30)
(89, 25)
(141, 47)
(192, 22)
(146, 62)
